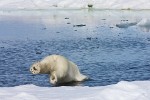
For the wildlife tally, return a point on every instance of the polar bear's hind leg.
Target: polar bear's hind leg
(81, 77)
(76, 73)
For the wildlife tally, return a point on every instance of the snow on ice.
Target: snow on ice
(137, 90)
(75, 4)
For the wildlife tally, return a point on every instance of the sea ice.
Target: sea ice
(75, 4)
(137, 90)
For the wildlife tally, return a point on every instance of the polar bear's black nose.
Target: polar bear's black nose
(34, 68)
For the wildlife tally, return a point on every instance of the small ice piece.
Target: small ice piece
(144, 25)
(79, 25)
(125, 25)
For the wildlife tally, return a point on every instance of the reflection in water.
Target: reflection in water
(71, 84)
(145, 28)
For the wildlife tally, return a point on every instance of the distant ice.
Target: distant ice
(144, 24)
(75, 4)
(138, 90)
(125, 25)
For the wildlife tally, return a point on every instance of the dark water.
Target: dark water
(92, 39)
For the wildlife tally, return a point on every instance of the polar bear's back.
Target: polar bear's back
(61, 63)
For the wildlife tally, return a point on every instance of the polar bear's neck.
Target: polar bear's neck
(46, 66)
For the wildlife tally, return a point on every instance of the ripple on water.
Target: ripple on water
(104, 61)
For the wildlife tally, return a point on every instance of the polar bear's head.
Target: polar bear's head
(35, 68)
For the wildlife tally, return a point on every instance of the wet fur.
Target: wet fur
(60, 69)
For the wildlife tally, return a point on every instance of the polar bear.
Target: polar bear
(60, 69)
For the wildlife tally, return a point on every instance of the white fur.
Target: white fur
(61, 70)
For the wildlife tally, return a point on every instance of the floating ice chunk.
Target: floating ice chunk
(144, 25)
(126, 25)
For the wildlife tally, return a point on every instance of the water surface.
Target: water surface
(107, 45)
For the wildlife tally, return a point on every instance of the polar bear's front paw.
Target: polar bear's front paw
(53, 78)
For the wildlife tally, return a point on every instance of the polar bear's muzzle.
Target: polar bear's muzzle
(35, 69)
